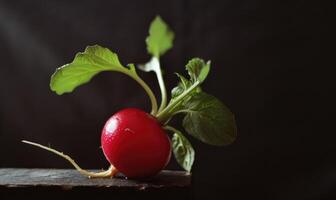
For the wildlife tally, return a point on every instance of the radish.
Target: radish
(134, 142)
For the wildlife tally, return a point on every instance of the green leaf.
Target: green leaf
(85, 65)
(183, 151)
(160, 37)
(181, 87)
(198, 70)
(209, 120)
(104, 54)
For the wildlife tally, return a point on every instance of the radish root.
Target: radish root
(104, 174)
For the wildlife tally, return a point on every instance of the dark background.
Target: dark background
(268, 66)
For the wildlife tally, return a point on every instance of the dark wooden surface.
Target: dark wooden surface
(68, 183)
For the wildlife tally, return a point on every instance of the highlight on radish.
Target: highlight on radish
(134, 142)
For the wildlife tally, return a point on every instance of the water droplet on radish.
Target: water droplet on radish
(112, 125)
(128, 130)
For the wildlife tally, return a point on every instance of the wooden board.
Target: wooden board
(68, 183)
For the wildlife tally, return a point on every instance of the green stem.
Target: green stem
(181, 111)
(159, 76)
(161, 116)
(147, 89)
(172, 129)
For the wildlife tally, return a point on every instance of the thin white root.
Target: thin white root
(105, 174)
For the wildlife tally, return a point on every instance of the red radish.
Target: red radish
(134, 142)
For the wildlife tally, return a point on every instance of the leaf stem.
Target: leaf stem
(161, 116)
(182, 111)
(147, 89)
(159, 76)
(172, 129)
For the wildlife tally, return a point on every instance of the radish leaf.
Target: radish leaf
(198, 70)
(160, 38)
(85, 65)
(183, 151)
(209, 120)
(93, 60)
